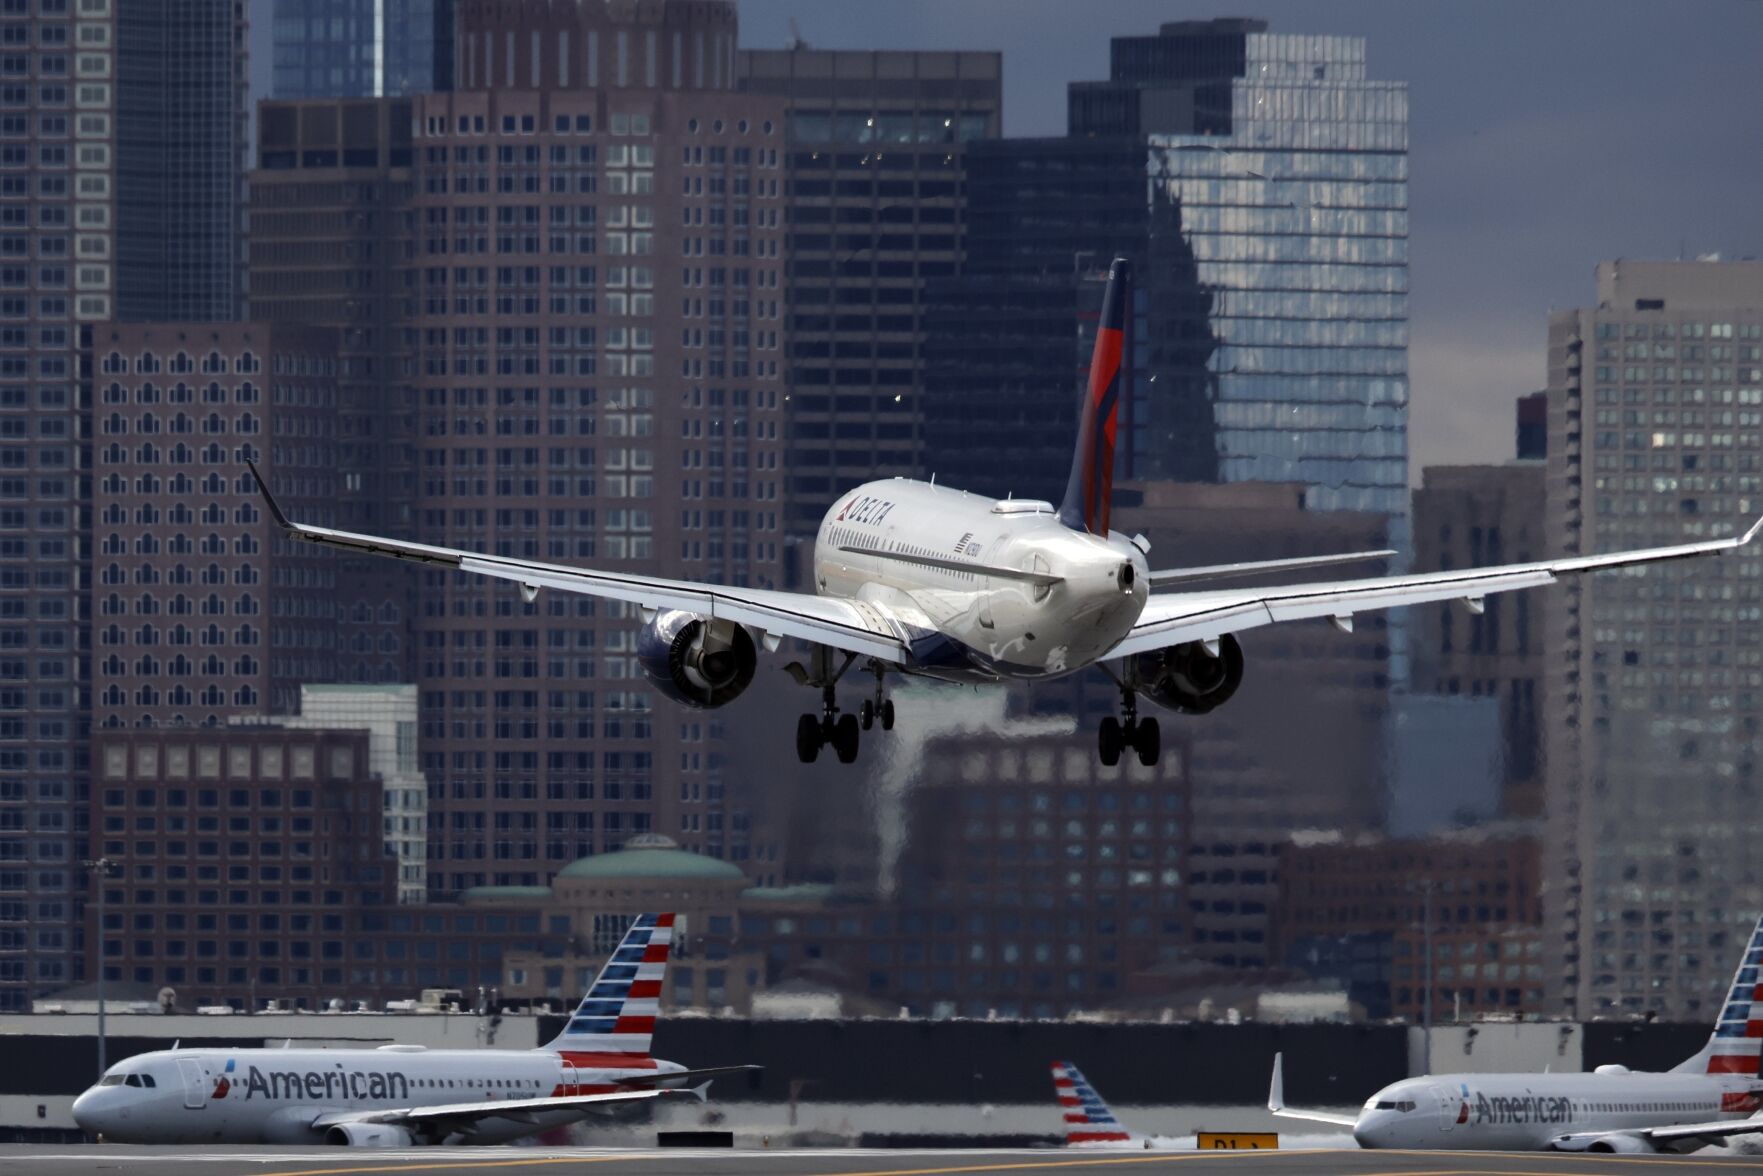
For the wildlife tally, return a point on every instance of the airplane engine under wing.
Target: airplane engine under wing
(368, 1135)
(695, 660)
(1604, 1141)
(1190, 678)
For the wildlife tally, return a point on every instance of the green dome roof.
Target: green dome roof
(651, 855)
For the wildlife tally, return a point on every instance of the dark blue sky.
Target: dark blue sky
(1544, 138)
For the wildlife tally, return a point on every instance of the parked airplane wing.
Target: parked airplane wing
(1276, 1101)
(500, 1108)
(842, 624)
(1175, 617)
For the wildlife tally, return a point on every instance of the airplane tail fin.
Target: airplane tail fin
(617, 1016)
(1736, 1045)
(1091, 486)
(1087, 1117)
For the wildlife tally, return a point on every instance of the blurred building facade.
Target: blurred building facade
(1357, 909)
(119, 185)
(1470, 516)
(876, 144)
(1654, 698)
(361, 48)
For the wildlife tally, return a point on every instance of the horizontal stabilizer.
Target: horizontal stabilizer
(1038, 579)
(1227, 571)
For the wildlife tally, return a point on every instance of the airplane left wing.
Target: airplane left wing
(1173, 618)
(1661, 1138)
(1276, 1101)
(853, 626)
(490, 1108)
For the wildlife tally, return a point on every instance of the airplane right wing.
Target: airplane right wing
(462, 1115)
(1172, 618)
(853, 626)
(1276, 1101)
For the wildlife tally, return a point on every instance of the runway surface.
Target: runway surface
(279, 1161)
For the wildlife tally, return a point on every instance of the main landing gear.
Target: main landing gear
(1143, 736)
(830, 728)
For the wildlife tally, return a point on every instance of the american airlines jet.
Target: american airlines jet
(922, 580)
(405, 1095)
(1707, 1098)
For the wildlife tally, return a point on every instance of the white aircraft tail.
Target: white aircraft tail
(1087, 1118)
(1736, 1045)
(617, 1016)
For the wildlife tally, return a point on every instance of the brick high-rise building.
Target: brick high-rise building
(201, 610)
(120, 139)
(599, 324)
(876, 145)
(1654, 699)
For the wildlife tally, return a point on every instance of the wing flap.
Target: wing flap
(1160, 579)
(867, 631)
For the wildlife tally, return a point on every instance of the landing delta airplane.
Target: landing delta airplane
(1707, 1098)
(922, 580)
(405, 1095)
(1088, 1120)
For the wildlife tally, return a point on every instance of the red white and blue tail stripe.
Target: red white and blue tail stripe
(1089, 492)
(1736, 1046)
(617, 1016)
(1087, 1118)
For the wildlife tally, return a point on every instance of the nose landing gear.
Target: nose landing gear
(1143, 736)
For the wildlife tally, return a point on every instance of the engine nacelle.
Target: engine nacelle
(1603, 1142)
(1188, 679)
(368, 1135)
(696, 660)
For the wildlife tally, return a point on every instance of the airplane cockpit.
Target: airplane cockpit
(1389, 1104)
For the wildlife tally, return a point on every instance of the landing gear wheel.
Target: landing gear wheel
(845, 738)
(887, 715)
(808, 739)
(866, 714)
(1147, 740)
(1109, 741)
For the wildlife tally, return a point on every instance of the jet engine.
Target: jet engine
(368, 1135)
(1604, 1141)
(1190, 679)
(699, 661)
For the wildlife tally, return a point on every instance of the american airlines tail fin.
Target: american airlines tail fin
(1736, 1045)
(617, 1016)
(1087, 1118)
(1090, 489)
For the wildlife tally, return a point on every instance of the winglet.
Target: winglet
(275, 511)
(1756, 527)
(1276, 1092)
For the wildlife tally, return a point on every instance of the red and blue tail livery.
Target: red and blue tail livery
(617, 1016)
(1090, 490)
(1087, 1118)
(1736, 1045)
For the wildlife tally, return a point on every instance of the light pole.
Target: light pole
(101, 868)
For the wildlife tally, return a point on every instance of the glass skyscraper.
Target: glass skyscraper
(1289, 183)
(362, 48)
(1260, 184)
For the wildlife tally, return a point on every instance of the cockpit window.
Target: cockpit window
(147, 1081)
(134, 1079)
(1392, 1105)
(110, 1080)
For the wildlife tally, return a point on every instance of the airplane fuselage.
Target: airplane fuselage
(274, 1095)
(1529, 1112)
(891, 545)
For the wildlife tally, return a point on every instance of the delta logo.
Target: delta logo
(225, 1082)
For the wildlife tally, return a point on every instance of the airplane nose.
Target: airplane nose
(1366, 1136)
(85, 1112)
